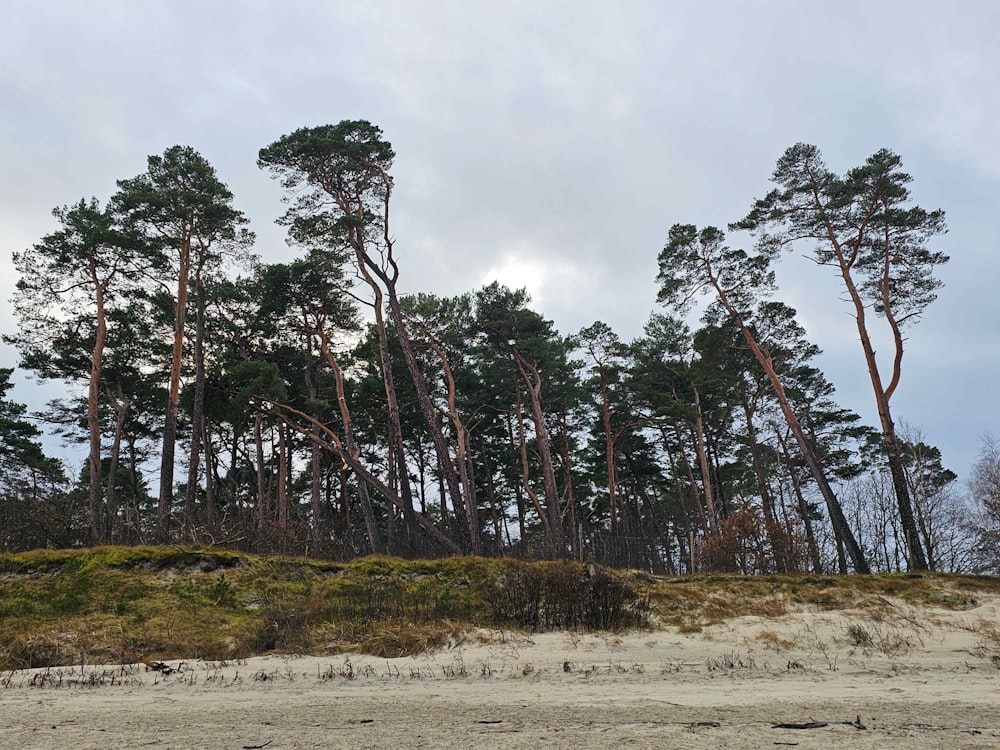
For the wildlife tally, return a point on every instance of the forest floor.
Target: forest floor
(904, 662)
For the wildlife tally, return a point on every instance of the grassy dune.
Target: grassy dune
(115, 604)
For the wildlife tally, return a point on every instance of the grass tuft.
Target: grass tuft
(114, 604)
(124, 604)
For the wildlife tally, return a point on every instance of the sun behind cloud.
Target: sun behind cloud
(518, 270)
(551, 281)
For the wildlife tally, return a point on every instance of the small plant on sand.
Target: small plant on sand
(773, 641)
(456, 669)
(988, 644)
(730, 661)
(859, 635)
(890, 639)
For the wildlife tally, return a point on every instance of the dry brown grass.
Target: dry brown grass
(99, 606)
(693, 602)
(114, 604)
(389, 639)
(773, 641)
(987, 645)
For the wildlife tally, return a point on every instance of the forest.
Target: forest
(309, 407)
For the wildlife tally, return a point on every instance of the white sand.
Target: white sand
(926, 680)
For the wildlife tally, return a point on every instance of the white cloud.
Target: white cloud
(545, 145)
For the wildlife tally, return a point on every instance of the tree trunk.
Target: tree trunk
(534, 386)
(354, 205)
(692, 483)
(166, 498)
(367, 266)
(315, 454)
(422, 482)
(703, 462)
(916, 558)
(517, 448)
(211, 477)
(94, 510)
(915, 553)
(395, 423)
(609, 451)
(337, 447)
(283, 450)
(448, 467)
(766, 500)
(803, 510)
(568, 482)
(121, 406)
(367, 511)
(198, 408)
(467, 498)
(679, 493)
(840, 526)
(232, 481)
(525, 481)
(491, 491)
(262, 502)
(133, 481)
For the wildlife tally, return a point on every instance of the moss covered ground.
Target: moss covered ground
(114, 604)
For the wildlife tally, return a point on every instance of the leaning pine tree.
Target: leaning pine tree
(693, 261)
(863, 225)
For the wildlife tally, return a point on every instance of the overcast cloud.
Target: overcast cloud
(547, 144)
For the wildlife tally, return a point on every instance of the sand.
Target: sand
(901, 679)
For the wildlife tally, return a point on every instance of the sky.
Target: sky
(545, 144)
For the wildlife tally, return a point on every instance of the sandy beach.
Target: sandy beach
(905, 678)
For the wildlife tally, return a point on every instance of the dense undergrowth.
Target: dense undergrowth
(116, 604)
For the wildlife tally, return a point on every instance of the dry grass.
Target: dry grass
(987, 646)
(391, 639)
(889, 639)
(109, 605)
(773, 641)
(693, 602)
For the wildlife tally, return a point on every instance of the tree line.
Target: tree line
(309, 407)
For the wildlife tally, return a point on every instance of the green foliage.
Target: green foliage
(159, 602)
(623, 449)
(349, 161)
(19, 446)
(561, 595)
(861, 222)
(162, 602)
(179, 195)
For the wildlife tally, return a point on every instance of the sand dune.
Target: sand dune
(902, 678)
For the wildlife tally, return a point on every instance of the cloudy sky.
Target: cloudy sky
(545, 144)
